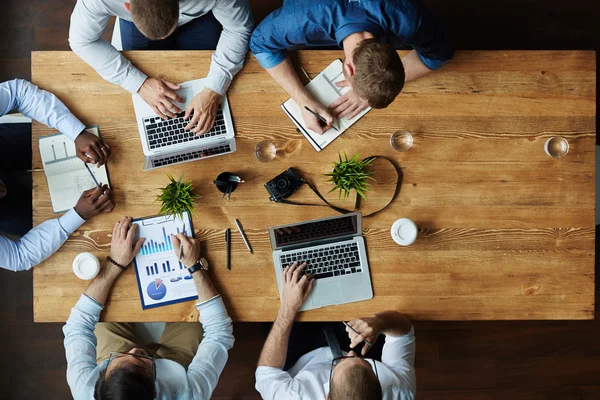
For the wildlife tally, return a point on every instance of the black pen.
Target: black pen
(355, 331)
(228, 241)
(320, 118)
(93, 176)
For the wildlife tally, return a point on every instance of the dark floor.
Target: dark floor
(455, 360)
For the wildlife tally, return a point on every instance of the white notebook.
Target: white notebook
(66, 174)
(322, 88)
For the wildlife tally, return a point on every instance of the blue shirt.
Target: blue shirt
(329, 22)
(43, 240)
(172, 380)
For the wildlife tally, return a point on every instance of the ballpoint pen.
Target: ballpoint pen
(93, 176)
(323, 120)
(237, 223)
(355, 331)
(228, 244)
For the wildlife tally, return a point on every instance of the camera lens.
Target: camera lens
(283, 183)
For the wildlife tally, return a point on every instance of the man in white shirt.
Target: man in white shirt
(15, 158)
(318, 375)
(105, 362)
(166, 24)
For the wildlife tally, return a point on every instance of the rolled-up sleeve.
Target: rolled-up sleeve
(228, 58)
(431, 41)
(269, 41)
(398, 354)
(208, 363)
(274, 383)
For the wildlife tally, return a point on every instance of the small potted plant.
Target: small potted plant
(177, 197)
(350, 174)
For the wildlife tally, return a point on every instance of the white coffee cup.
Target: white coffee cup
(404, 231)
(86, 266)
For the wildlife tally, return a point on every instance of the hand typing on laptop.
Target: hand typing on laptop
(160, 95)
(295, 290)
(203, 111)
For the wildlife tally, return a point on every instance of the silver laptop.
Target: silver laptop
(335, 252)
(165, 142)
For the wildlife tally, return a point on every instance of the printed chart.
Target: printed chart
(162, 279)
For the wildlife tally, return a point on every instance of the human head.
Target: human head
(375, 72)
(127, 377)
(156, 19)
(354, 379)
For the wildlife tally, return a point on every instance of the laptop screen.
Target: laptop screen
(310, 231)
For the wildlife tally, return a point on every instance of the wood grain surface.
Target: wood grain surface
(506, 232)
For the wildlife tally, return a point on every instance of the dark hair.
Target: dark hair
(358, 383)
(378, 73)
(155, 18)
(127, 382)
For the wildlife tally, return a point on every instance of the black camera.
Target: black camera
(283, 185)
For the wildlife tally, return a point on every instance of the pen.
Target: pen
(305, 74)
(320, 118)
(355, 331)
(228, 241)
(181, 245)
(93, 176)
(237, 223)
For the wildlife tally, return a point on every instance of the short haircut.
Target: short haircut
(358, 383)
(378, 73)
(155, 18)
(129, 382)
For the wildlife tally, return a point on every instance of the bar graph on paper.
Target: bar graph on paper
(162, 278)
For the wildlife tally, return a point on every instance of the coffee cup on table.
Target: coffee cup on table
(404, 231)
(86, 266)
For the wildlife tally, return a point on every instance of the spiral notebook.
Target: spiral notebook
(323, 89)
(66, 174)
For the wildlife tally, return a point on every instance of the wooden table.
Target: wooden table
(506, 232)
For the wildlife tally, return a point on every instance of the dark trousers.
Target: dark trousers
(201, 33)
(308, 336)
(15, 161)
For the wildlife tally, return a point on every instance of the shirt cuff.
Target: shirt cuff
(89, 306)
(71, 221)
(217, 82)
(431, 63)
(393, 339)
(211, 309)
(134, 80)
(270, 60)
(70, 126)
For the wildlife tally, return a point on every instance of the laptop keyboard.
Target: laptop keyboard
(163, 133)
(336, 260)
(192, 155)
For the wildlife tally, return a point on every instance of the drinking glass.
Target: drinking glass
(265, 151)
(401, 140)
(556, 147)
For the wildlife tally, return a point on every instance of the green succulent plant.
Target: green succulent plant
(350, 174)
(177, 197)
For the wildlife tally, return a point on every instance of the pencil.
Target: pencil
(93, 176)
(320, 118)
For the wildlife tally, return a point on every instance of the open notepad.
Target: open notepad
(66, 174)
(322, 88)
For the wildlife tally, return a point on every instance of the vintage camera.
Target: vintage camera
(283, 185)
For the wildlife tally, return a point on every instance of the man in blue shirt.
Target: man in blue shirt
(368, 31)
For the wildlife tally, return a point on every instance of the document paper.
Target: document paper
(323, 89)
(66, 174)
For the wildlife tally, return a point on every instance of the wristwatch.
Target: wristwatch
(201, 264)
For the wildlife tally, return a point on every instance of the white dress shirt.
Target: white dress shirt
(308, 379)
(90, 18)
(43, 240)
(172, 380)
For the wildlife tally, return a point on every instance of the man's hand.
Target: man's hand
(295, 290)
(368, 330)
(349, 105)
(91, 149)
(312, 122)
(203, 109)
(95, 201)
(191, 249)
(124, 246)
(160, 94)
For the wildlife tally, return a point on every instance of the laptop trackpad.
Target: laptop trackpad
(326, 292)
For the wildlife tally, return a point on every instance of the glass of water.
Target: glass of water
(556, 147)
(401, 140)
(265, 151)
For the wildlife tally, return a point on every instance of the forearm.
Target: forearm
(274, 352)
(286, 76)
(393, 323)
(414, 67)
(204, 286)
(101, 285)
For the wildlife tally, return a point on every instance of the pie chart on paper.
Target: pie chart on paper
(157, 289)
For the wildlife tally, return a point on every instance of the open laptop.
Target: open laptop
(335, 252)
(165, 142)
